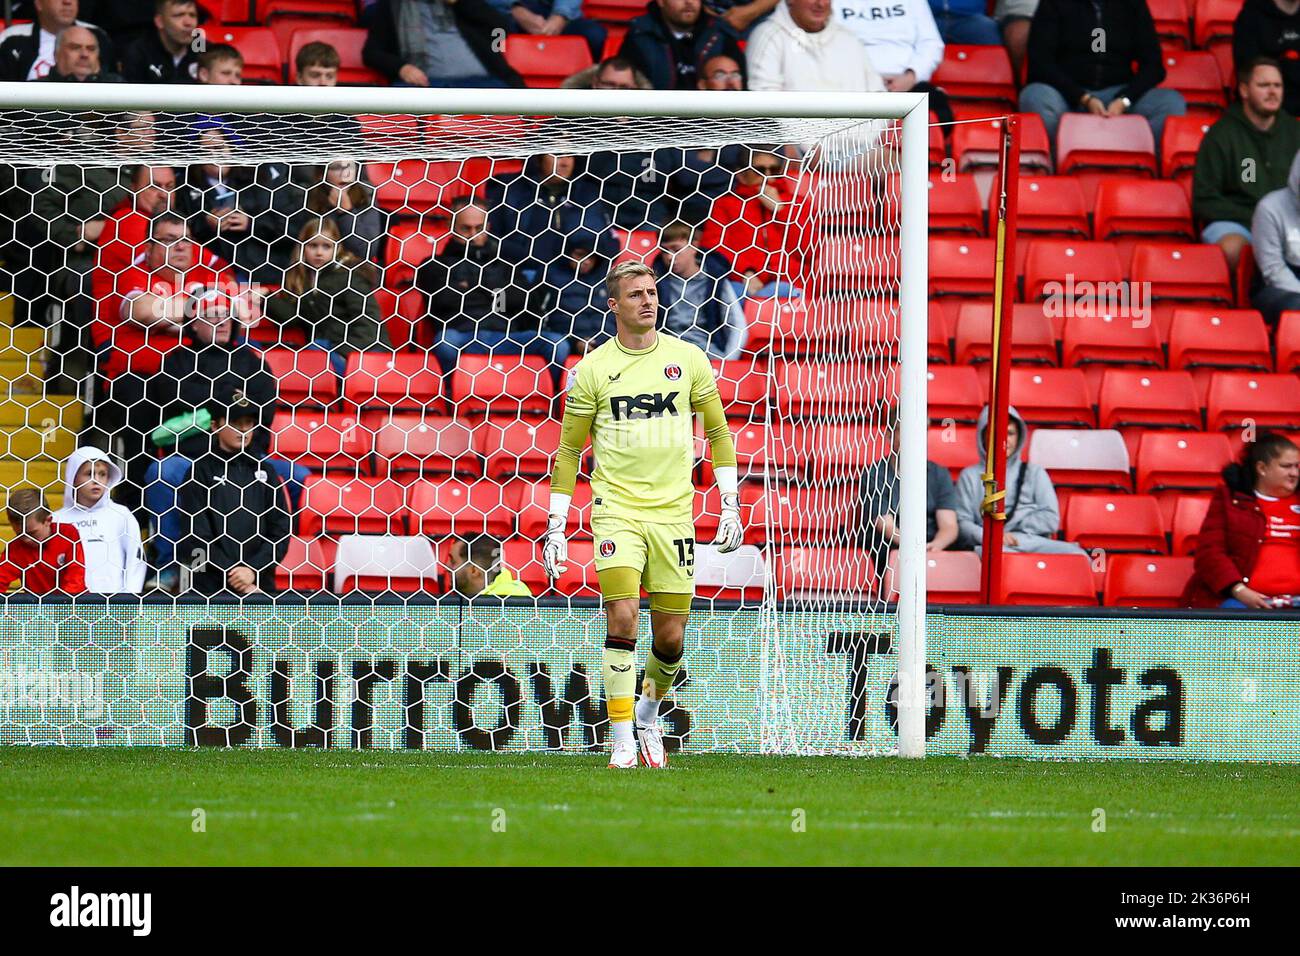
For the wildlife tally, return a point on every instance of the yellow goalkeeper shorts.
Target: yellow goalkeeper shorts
(662, 554)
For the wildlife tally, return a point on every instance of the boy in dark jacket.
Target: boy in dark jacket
(1254, 135)
(671, 39)
(235, 506)
(43, 556)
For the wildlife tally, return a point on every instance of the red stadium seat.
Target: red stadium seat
(1108, 143)
(1051, 206)
(953, 392)
(224, 11)
(517, 446)
(1148, 399)
(962, 267)
(392, 131)
(403, 316)
(856, 263)
(308, 565)
(432, 445)
(977, 74)
(1179, 145)
(760, 449)
(1189, 515)
(524, 558)
(952, 447)
(1110, 340)
(1115, 523)
(546, 61)
(614, 34)
(865, 324)
(1181, 461)
(503, 383)
(1172, 21)
(833, 388)
(1140, 207)
(1183, 273)
(955, 206)
(839, 452)
(617, 10)
(1260, 399)
(533, 506)
(1215, 20)
(1195, 74)
(345, 10)
(413, 187)
(940, 334)
(1136, 580)
(303, 378)
(1033, 341)
(743, 384)
(1047, 580)
(393, 380)
(348, 42)
(818, 515)
(1288, 342)
(440, 508)
(350, 506)
(637, 246)
(409, 244)
(263, 60)
(320, 441)
(1055, 266)
(805, 572)
(951, 577)
(1052, 397)
(379, 564)
(975, 145)
(1203, 338)
(1074, 458)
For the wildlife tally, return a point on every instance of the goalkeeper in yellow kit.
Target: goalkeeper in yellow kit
(635, 396)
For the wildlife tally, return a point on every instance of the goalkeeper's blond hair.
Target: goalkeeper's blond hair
(625, 270)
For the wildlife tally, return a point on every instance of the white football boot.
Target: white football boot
(650, 744)
(622, 756)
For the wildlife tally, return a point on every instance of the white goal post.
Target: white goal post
(813, 114)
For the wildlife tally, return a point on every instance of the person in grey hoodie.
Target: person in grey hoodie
(1275, 231)
(1033, 514)
(110, 534)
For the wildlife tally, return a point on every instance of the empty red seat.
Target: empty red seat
(818, 515)
(1033, 340)
(1108, 143)
(533, 503)
(1115, 522)
(862, 324)
(1195, 74)
(952, 447)
(834, 388)
(452, 506)
(517, 446)
(1179, 144)
(743, 384)
(951, 577)
(502, 383)
(393, 380)
(1137, 580)
(1215, 20)
(1140, 207)
(409, 244)
(403, 315)
(955, 206)
(1104, 339)
(307, 566)
(978, 74)
(1052, 206)
(413, 187)
(976, 145)
(1189, 515)
(545, 61)
(1183, 273)
(348, 41)
(320, 441)
(962, 267)
(616, 10)
(1079, 458)
(939, 337)
(303, 377)
(1172, 21)
(432, 445)
(1260, 399)
(1048, 580)
(263, 61)
(839, 571)
(953, 393)
(326, 9)
(376, 564)
(349, 505)
(1055, 397)
(1064, 269)
(839, 451)
(1181, 461)
(1148, 399)
(1209, 338)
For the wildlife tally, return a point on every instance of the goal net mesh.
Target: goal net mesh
(381, 312)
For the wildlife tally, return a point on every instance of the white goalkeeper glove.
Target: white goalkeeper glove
(730, 531)
(555, 545)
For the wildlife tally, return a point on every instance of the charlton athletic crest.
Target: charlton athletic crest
(607, 548)
(672, 372)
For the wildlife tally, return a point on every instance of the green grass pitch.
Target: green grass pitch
(137, 807)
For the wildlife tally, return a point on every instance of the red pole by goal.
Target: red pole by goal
(1003, 200)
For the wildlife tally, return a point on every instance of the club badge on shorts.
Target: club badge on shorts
(607, 548)
(672, 372)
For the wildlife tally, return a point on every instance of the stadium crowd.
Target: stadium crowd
(170, 282)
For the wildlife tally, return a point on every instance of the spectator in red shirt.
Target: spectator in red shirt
(1248, 549)
(749, 224)
(127, 230)
(43, 557)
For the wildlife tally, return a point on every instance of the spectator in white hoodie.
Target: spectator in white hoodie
(110, 534)
(902, 42)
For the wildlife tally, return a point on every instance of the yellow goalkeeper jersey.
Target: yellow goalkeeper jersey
(640, 408)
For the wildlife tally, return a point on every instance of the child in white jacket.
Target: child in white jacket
(110, 534)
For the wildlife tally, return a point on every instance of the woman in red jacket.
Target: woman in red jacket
(1248, 550)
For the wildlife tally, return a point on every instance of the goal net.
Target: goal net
(287, 367)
